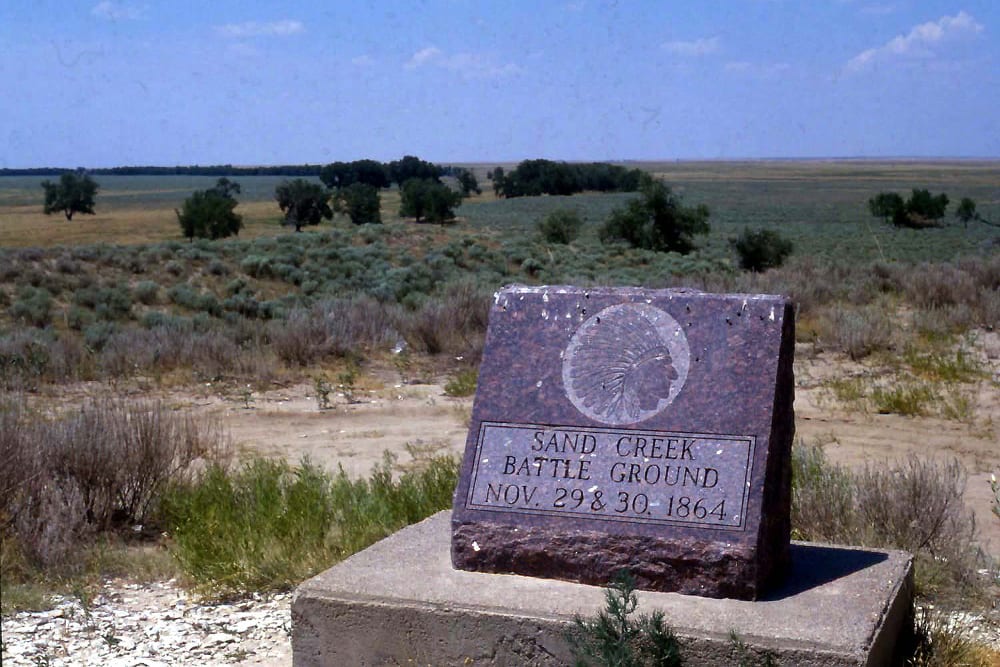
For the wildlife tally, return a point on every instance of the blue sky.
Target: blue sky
(114, 82)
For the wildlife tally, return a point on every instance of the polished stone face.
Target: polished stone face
(628, 428)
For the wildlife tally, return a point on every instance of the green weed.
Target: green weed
(959, 365)
(851, 391)
(909, 398)
(323, 390)
(463, 383)
(270, 525)
(616, 638)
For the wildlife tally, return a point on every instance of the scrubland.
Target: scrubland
(153, 389)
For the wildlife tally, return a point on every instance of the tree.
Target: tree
(467, 181)
(400, 171)
(428, 199)
(966, 211)
(74, 193)
(761, 250)
(227, 188)
(497, 176)
(886, 205)
(303, 203)
(211, 213)
(360, 202)
(560, 226)
(657, 221)
(342, 174)
(924, 209)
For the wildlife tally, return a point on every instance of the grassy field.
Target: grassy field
(819, 205)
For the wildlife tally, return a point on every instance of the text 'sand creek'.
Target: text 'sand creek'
(613, 474)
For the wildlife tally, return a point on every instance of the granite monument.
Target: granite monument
(631, 428)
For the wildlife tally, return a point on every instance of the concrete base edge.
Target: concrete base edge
(400, 602)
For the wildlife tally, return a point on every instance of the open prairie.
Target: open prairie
(343, 342)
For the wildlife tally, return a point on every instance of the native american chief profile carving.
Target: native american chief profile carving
(625, 364)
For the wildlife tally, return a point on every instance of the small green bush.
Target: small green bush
(911, 399)
(560, 226)
(615, 639)
(761, 250)
(462, 383)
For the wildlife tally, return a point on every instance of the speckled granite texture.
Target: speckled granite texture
(630, 428)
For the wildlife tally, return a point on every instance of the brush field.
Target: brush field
(343, 342)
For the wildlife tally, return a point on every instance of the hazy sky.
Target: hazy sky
(115, 82)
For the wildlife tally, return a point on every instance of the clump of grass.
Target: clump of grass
(958, 365)
(269, 525)
(67, 479)
(858, 331)
(914, 505)
(323, 390)
(850, 391)
(79, 492)
(463, 383)
(931, 377)
(911, 399)
(617, 638)
(944, 642)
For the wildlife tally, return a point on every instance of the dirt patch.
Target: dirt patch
(401, 418)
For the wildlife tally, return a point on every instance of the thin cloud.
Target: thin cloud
(694, 48)
(256, 29)
(429, 55)
(364, 60)
(117, 11)
(468, 65)
(756, 69)
(923, 41)
(879, 9)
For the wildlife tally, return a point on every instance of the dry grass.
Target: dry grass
(914, 505)
(27, 226)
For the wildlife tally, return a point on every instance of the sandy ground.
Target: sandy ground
(399, 418)
(407, 419)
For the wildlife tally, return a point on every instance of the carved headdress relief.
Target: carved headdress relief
(625, 364)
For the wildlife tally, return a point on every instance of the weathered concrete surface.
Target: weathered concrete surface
(400, 602)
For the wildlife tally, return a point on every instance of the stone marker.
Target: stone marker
(630, 428)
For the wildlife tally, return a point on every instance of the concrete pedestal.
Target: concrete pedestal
(400, 602)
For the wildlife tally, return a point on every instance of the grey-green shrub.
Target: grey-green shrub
(915, 505)
(146, 292)
(560, 226)
(762, 249)
(67, 478)
(33, 306)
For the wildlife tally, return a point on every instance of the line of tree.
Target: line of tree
(355, 188)
(532, 178)
(383, 174)
(922, 209)
(191, 170)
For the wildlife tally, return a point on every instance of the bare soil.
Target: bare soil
(391, 416)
